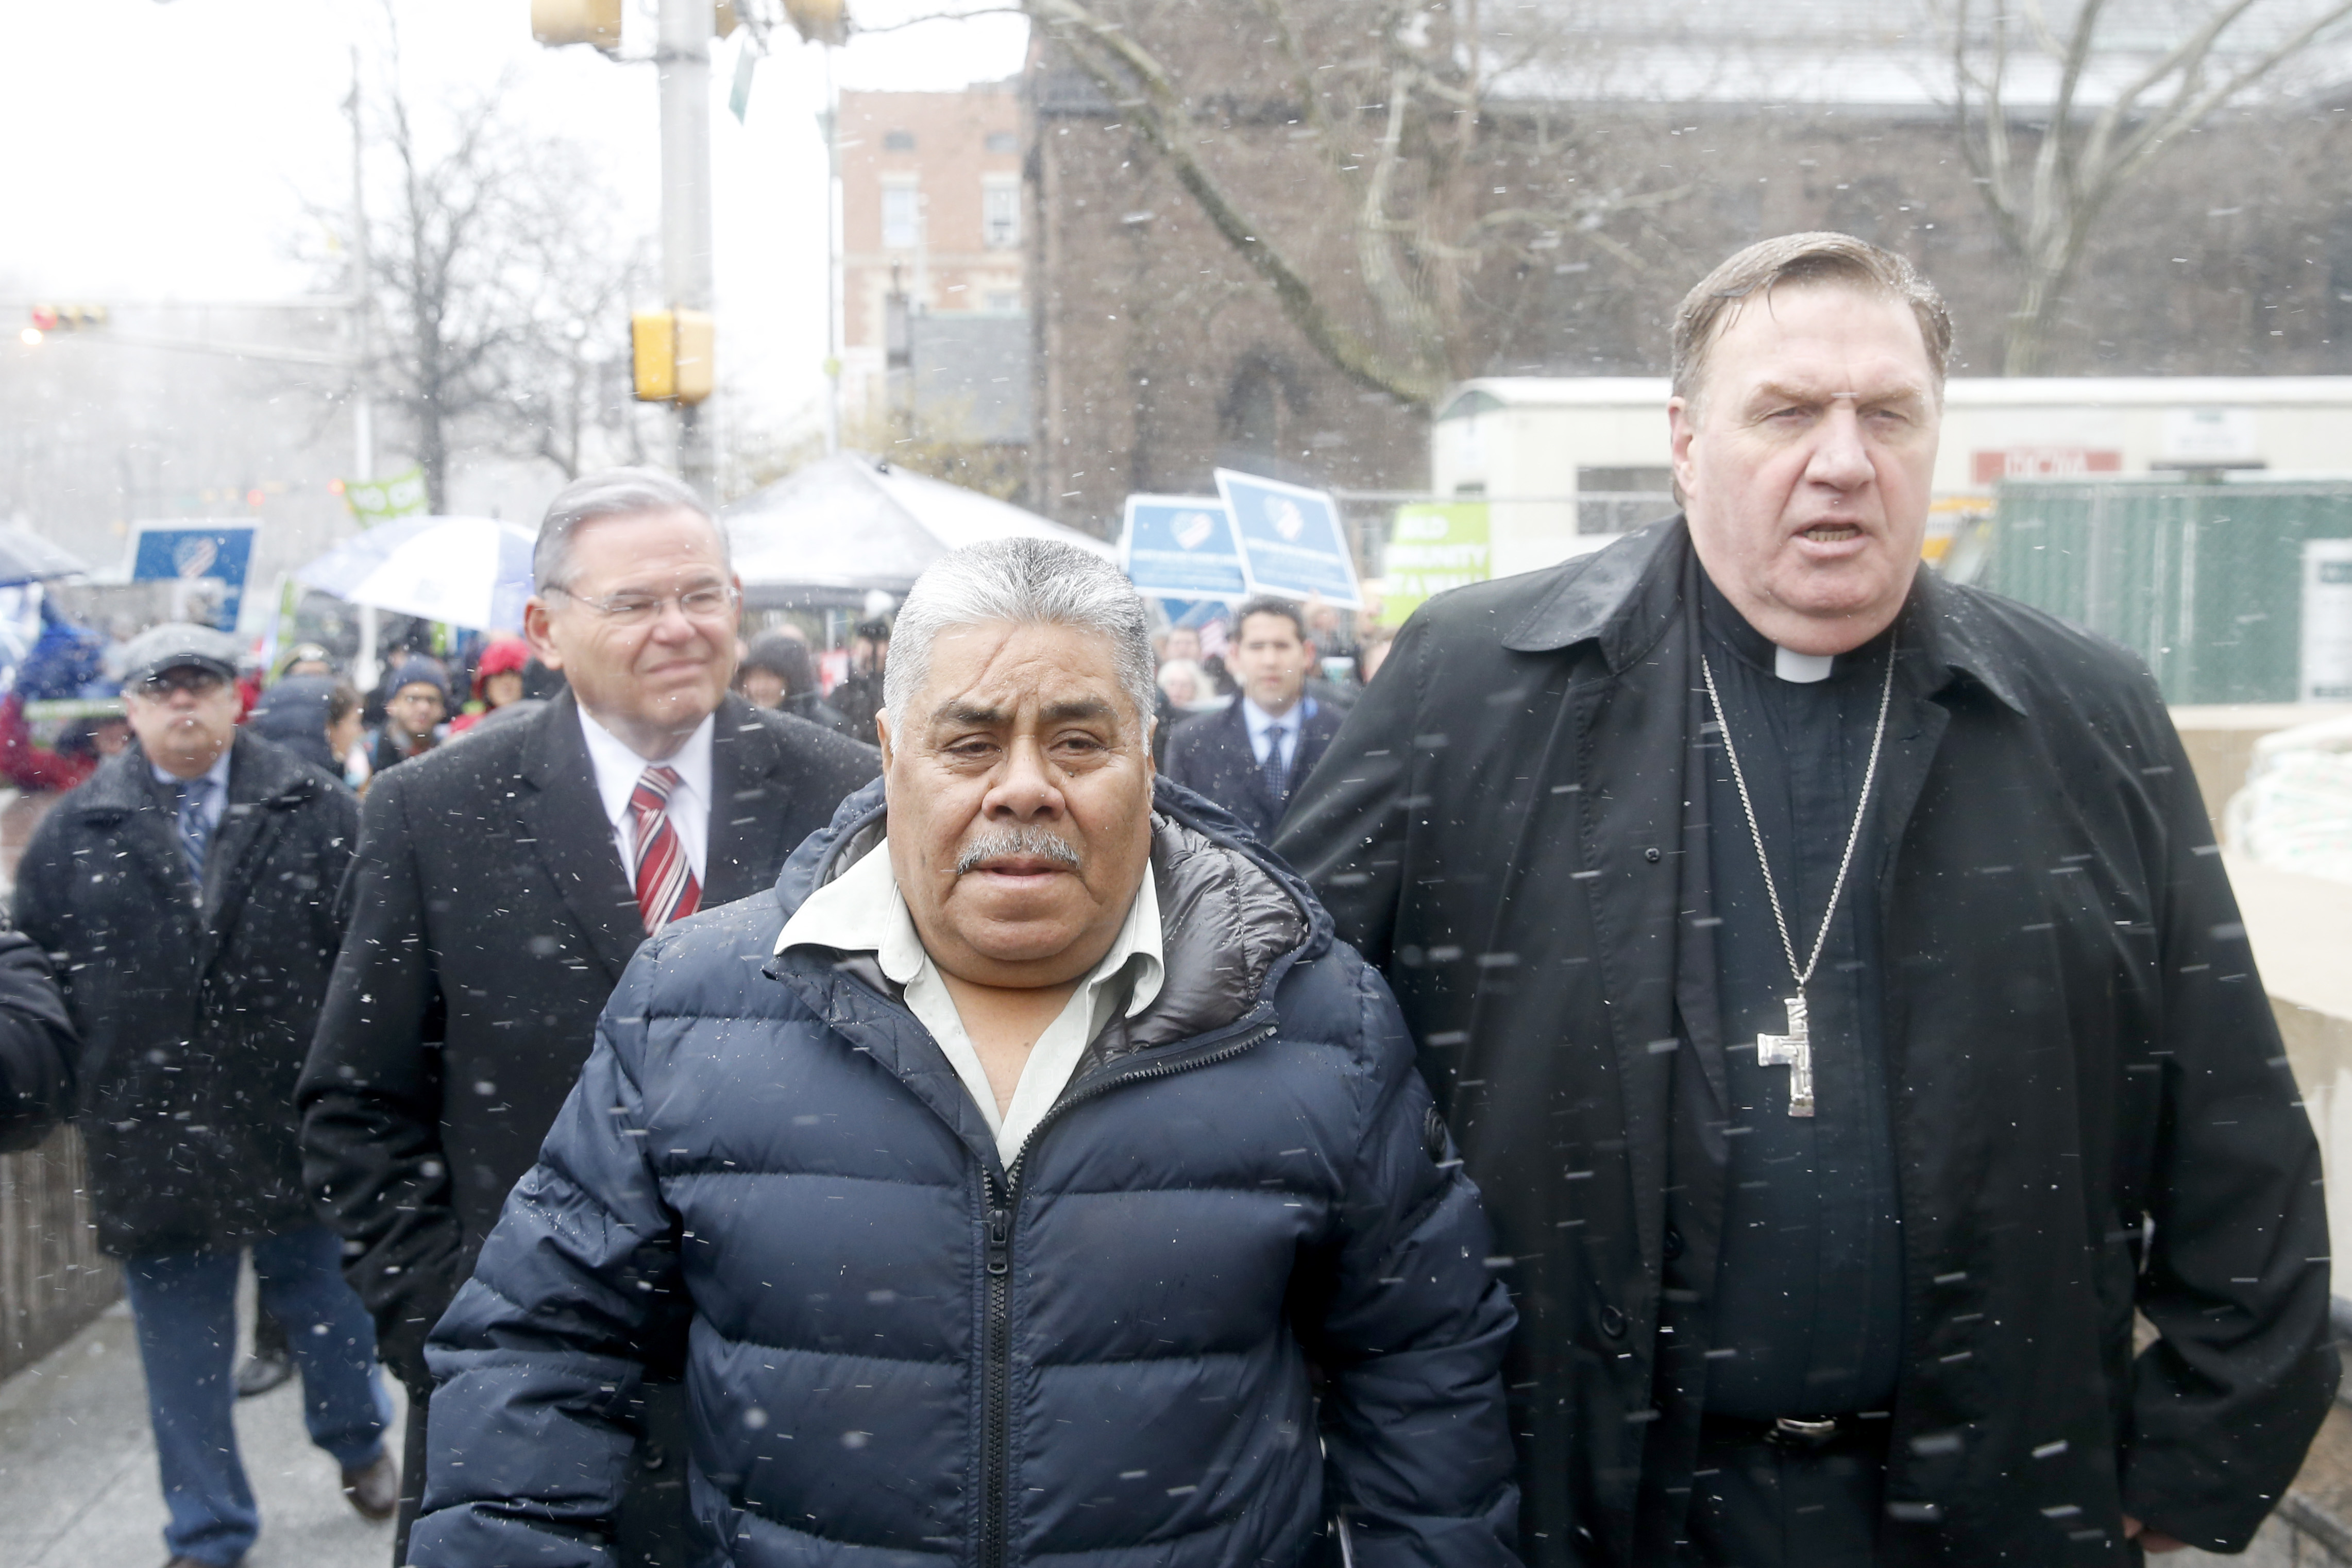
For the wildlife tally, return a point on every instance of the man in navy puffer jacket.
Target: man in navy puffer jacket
(1030, 1179)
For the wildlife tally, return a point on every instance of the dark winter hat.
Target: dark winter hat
(787, 658)
(417, 670)
(176, 644)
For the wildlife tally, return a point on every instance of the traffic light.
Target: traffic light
(819, 21)
(671, 353)
(48, 318)
(559, 22)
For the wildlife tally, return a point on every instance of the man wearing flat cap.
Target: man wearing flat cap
(187, 891)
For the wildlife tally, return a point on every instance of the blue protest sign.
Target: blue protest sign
(1181, 547)
(196, 552)
(1292, 543)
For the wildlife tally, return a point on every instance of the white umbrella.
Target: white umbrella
(844, 527)
(467, 571)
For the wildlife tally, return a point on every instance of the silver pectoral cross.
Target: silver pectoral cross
(1795, 1048)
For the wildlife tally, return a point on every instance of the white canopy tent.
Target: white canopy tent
(850, 524)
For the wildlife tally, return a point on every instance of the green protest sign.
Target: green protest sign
(1432, 548)
(374, 501)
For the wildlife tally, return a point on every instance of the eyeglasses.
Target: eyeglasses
(713, 603)
(194, 679)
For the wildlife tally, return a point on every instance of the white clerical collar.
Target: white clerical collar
(1801, 669)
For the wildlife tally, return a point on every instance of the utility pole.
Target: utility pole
(830, 122)
(363, 666)
(683, 59)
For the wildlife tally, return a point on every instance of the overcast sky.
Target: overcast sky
(166, 149)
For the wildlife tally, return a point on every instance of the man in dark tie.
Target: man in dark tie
(501, 886)
(188, 890)
(1249, 755)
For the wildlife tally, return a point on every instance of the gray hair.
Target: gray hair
(611, 492)
(1029, 582)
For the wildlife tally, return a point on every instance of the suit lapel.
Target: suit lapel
(749, 804)
(563, 821)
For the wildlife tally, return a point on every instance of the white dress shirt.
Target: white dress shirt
(619, 769)
(1259, 721)
(862, 911)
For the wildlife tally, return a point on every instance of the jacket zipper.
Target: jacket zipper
(996, 1378)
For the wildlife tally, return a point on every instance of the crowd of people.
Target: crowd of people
(1698, 1055)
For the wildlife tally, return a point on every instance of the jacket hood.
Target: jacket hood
(293, 714)
(1233, 917)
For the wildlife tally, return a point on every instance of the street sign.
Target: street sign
(1432, 547)
(1181, 547)
(2326, 621)
(1291, 540)
(192, 553)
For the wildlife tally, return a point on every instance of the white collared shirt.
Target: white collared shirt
(862, 911)
(1259, 721)
(619, 769)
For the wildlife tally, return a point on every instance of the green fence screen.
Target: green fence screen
(2203, 581)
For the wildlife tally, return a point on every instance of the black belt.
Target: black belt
(1801, 1432)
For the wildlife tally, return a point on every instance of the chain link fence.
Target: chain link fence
(2202, 581)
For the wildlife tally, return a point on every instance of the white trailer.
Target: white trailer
(1567, 463)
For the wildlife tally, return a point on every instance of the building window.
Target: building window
(1000, 213)
(1004, 141)
(902, 217)
(898, 141)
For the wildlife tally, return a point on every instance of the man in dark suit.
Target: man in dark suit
(1249, 756)
(503, 883)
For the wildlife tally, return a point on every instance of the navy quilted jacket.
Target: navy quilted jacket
(1234, 1285)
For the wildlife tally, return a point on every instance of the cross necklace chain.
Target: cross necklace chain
(1794, 1050)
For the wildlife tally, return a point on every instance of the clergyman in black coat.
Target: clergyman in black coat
(1221, 754)
(492, 913)
(2045, 1046)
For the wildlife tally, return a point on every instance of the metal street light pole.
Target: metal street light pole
(363, 664)
(683, 59)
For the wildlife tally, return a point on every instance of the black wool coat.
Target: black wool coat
(490, 918)
(902, 1352)
(195, 1014)
(2091, 1111)
(39, 1049)
(1211, 755)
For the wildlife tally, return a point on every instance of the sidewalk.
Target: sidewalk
(77, 1468)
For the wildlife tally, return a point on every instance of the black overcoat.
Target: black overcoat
(194, 1016)
(2091, 1111)
(491, 920)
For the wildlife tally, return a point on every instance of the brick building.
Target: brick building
(932, 262)
(1163, 355)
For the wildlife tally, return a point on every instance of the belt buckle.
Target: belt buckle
(1795, 1432)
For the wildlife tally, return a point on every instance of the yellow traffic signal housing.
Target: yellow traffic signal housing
(559, 22)
(819, 21)
(673, 355)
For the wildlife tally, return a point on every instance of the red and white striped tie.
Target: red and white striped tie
(667, 890)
